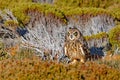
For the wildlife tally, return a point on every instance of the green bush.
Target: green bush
(21, 12)
(11, 23)
(83, 11)
(86, 3)
(97, 36)
(12, 3)
(114, 35)
(61, 9)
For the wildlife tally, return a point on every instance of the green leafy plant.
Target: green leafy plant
(114, 35)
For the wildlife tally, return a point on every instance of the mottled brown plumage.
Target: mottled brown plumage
(73, 47)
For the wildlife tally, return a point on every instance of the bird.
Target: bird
(74, 48)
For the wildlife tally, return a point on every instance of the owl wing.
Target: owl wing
(65, 50)
(81, 49)
(66, 46)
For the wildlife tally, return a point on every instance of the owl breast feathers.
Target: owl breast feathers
(73, 47)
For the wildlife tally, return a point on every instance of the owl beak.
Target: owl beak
(71, 37)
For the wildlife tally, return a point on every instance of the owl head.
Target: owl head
(73, 34)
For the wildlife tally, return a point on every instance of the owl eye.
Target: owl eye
(68, 33)
(75, 33)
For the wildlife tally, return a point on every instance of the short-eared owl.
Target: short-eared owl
(73, 47)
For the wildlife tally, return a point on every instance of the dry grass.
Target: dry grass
(32, 68)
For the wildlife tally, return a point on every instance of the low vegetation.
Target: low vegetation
(32, 69)
(114, 35)
(87, 3)
(20, 8)
(97, 36)
(25, 65)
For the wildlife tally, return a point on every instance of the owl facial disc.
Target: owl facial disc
(72, 37)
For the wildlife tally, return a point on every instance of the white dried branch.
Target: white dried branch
(7, 15)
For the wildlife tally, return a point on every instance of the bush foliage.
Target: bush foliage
(87, 3)
(32, 69)
(114, 35)
(97, 36)
(62, 8)
(26, 66)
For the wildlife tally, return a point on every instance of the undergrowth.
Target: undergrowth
(33, 69)
(26, 66)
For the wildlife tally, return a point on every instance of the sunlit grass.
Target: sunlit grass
(32, 68)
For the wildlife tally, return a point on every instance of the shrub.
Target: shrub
(33, 69)
(86, 3)
(97, 36)
(11, 23)
(114, 35)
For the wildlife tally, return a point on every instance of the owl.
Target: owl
(75, 46)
